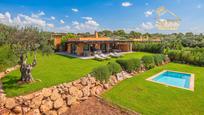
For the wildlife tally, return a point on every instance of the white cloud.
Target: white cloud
(37, 15)
(126, 4)
(87, 18)
(52, 17)
(62, 21)
(199, 6)
(75, 10)
(66, 16)
(147, 26)
(149, 13)
(50, 25)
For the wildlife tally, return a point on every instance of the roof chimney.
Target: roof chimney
(96, 34)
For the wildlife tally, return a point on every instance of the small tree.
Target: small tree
(26, 41)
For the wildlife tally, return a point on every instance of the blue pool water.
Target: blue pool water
(174, 79)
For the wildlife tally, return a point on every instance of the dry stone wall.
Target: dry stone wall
(57, 99)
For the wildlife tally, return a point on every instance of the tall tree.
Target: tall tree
(26, 41)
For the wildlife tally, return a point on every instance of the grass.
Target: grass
(52, 70)
(151, 98)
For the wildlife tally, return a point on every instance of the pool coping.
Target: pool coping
(192, 78)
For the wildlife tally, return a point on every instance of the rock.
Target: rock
(46, 92)
(2, 100)
(86, 91)
(62, 110)
(10, 103)
(84, 81)
(75, 92)
(33, 112)
(51, 113)
(71, 100)
(79, 86)
(55, 95)
(25, 109)
(74, 83)
(119, 76)
(106, 86)
(36, 102)
(17, 110)
(92, 80)
(28, 97)
(99, 90)
(46, 106)
(58, 103)
(82, 99)
(4, 111)
(93, 91)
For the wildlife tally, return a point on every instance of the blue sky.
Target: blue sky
(91, 15)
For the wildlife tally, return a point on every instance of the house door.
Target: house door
(103, 48)
(73, 48)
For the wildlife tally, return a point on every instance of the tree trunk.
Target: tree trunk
(25, 70)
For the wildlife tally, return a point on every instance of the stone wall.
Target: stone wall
(57, 99)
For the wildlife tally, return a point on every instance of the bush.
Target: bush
(114, 68)
(159, 58)
(101, 73)
(191, 56)
(148, 62)
(148, 47)
(129, 65)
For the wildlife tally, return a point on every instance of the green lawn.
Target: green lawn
(54, 69)
(150, 98)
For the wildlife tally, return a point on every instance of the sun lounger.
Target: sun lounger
(97, 57)
(104, 56)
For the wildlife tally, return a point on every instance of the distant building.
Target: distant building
(87, 46)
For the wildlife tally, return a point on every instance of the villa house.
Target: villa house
(88, 46)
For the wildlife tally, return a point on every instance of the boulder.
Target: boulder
(62, 110)
(119, 76)
(71, 100)
(84, 81)
(86, 91)
(10, 103)
(2, 100)
(74, 83)
(75, 92)
(25, 110)
(55, 95)
(92, 80)
(93, 91)
(17, 110)
(46, 106)
(33, 112)
(4, 111)
(52, 112)
(106, 86)
(58, 103)
(46, 92)
(98, 90)
(36, 102)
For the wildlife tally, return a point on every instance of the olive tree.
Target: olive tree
(28, 40)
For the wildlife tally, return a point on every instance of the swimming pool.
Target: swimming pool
(175, 79)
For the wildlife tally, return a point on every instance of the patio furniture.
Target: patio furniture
(117, 54)
(104, 56)
(97, 57)
(113, 55)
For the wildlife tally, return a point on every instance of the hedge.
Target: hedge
(129, 65)
(158, 59)
(101, 73)
(148, 62)
(114, 68)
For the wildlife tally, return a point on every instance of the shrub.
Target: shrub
(148, 47)
(114, 68)
(136, 63)
(158, 58)
(101, 73)
(129, 65)
(148, 62)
